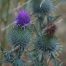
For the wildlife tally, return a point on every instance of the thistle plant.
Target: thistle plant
(46, 45)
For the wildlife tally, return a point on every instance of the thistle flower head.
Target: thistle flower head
(48, 45)
(51, 28)
(46, 6)
(19, 37)
(23, 18)
(42, 6)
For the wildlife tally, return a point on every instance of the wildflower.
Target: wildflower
(49, 45)
(51, 28)
(46, 6)
(42, 6)
(23, 18)
(19, 37)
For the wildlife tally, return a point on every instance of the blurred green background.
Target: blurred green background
(7, 15)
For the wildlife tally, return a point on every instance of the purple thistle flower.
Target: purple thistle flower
(23, 18)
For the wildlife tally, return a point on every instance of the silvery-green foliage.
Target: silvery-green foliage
(18, 62)
(9, 57)
(36, 57)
